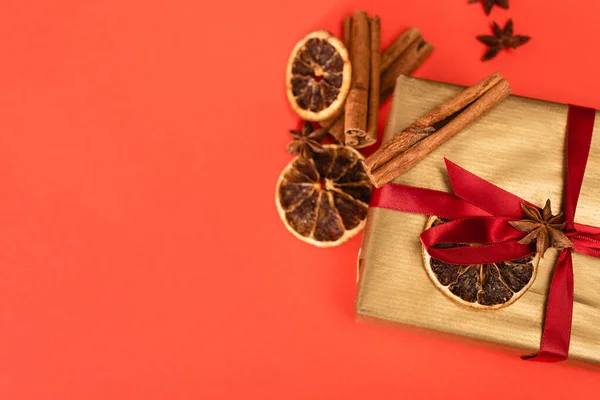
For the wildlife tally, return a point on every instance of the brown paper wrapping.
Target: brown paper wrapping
(519, 146)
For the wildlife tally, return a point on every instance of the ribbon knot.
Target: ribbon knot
(480, 213)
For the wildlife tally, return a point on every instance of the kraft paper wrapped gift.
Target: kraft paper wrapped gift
(520, 146)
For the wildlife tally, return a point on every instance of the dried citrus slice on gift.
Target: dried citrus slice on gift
(323, 200)
(484, 286)
(318, 76)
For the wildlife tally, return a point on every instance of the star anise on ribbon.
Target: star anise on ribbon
(306, 142)
(544, 228)
(502, 39)
(488, 4)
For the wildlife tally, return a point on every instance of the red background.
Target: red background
(141, 255)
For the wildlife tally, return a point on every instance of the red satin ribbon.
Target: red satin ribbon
(480, 212)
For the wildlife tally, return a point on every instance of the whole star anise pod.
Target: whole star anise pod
(306, 142)
(488, 4)
(543, 227)
(502, 39)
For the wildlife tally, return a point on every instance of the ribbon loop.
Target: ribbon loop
(497, 238)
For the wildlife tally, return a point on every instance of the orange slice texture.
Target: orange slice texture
(483, 286)
(324, 200)
(318, 76)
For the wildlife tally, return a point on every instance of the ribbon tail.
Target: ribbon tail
(499, 241)
(556, 335)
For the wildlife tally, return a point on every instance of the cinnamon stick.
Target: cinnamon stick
(405, 64)
(357, 101)
(374, 84)
(401, 43)
(335, 128)
(426, 134)
(347, 32)
(396, 55)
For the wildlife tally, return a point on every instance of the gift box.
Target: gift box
(519, 146)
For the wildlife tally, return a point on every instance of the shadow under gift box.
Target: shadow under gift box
(520, 146)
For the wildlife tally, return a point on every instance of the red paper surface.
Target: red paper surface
(141, 253)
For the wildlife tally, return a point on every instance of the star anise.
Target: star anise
(543, 227)
(502, 39)
(306, 142)
(488, 4)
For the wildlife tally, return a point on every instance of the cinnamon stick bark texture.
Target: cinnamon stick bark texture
(407, 38)
(336, 128)
(347, 32)
(374, 85)
(336, 125)
(358, 98)
(426, 134)
(398, 55)
(402, 57)
(405, 64)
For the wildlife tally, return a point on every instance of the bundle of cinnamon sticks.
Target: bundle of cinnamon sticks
(416, 141)
(373, 76)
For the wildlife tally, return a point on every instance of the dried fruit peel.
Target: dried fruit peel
(324, 200)
(318, 76)
(488, 286)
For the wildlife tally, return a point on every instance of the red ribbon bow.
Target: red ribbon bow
(480, 212)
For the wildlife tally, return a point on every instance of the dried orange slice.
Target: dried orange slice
(323, 200)
(483, 286)
(318, 76)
